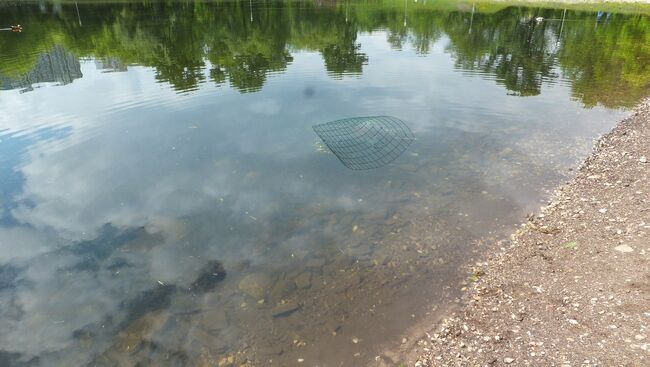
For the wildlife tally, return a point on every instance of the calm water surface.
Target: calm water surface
(164, 199)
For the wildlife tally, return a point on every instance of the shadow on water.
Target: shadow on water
(163, 200)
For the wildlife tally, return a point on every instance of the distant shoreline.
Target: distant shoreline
(622, 6)
(618, 6)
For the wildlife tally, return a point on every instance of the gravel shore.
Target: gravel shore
(572, 285)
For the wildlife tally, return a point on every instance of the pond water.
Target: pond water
(166, 197)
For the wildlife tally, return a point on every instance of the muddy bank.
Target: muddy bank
(572, 286)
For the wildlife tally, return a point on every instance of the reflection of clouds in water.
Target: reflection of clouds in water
(136, 177)
(135, 181)
(68, 196)
(52, 303)
(132, 177)
(265, 107)
(80, 189)
(19, 244)
(58, 293)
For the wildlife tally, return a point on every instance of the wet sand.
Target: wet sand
(571, 287)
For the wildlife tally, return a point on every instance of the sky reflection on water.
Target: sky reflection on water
(119, 187)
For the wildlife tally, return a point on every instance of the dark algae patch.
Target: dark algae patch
(150, 300)
(209, 277)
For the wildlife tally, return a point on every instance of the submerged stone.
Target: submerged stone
(380, 259)
(282, 288)
(316, 263)
(271, 349)
(209, 277)
(256, 285)
(240, 265)
(184, 303)
(317, 282)
(214, 319)
(139, 331)
(154, 299)
(174, 333)
(303, 280)
(354, 280)
(199, 335)
(285, 309)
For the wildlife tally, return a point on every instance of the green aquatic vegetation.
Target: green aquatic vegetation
(571, 245)
(476, 275)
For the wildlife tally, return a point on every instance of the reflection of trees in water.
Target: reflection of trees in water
(243, 42)
(344, 57)
(55, 66)
(601, 60)
(244, 51)
(506, 46)
(609, 63)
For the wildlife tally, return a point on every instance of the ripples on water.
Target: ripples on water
(164, 199)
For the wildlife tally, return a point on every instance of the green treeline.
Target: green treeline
(605, 57)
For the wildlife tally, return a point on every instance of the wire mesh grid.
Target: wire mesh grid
(362, 143)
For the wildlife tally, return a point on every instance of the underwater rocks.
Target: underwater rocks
(140, 330)
(283, 288)
(209, 277)
(214, 320)
(150, 300)
(256, 285)
(285, 309)
(134, 344)
(184, 303)
(303, 280)
(316, 263)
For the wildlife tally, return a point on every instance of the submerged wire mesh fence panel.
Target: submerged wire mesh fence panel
(366, 142)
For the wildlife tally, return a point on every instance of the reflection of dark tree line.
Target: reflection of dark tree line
(605, 62)
(179, 40)
(241, 44)
(513, 49)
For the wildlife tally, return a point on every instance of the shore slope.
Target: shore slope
(572, 286)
